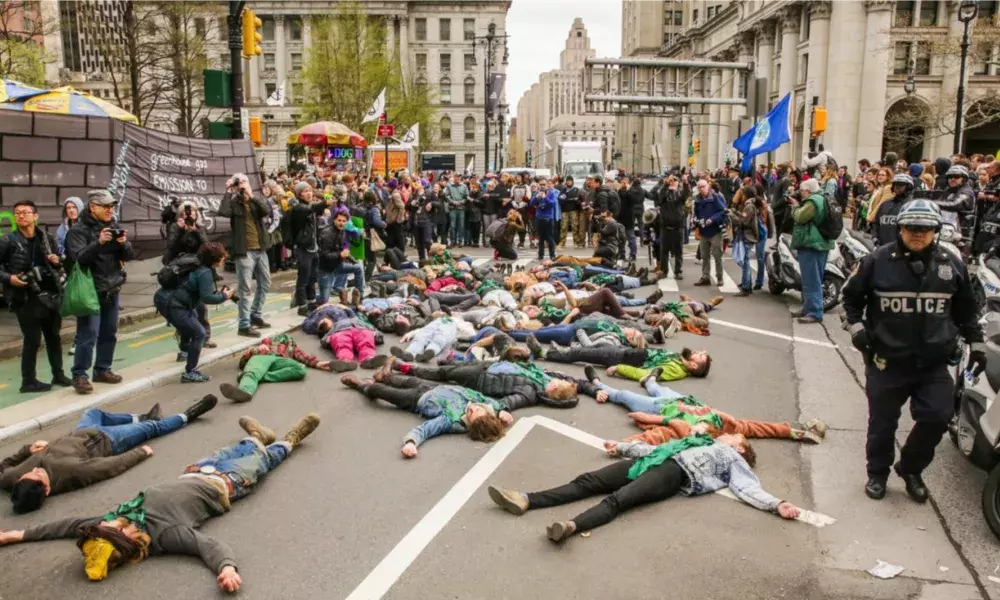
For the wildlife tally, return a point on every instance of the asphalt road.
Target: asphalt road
(336, 510)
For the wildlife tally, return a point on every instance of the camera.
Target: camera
(234, 298)
(116, 232)
(189, 219)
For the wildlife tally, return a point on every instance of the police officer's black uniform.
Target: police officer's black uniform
(885, 219)
(988, 226)
(905, 311)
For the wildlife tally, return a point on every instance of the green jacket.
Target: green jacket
(805, 235)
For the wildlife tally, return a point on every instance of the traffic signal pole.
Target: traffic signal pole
(236, 65)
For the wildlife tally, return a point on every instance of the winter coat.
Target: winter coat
(332, 242)
(632, 205)
(64, 227)
(711, 208)
(16, 259)
(183, 241)
(474, 208)
(418, 210)
(544, 205)
(395, 211)
(941, 166)
(806, 216)
(304, 223)
(673, 212)
(233, 208)
(103, 260)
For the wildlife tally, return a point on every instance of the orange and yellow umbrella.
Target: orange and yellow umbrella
(64, 101)
(326, 133)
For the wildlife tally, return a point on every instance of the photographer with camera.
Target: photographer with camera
(186, 235)
(29, 270)
(248, 245)
(179, 306)
(98, 244)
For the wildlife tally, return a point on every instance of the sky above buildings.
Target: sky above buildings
(538, 30)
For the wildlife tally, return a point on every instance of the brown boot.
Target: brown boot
(107, 377)
(234, 393)
(717, 300)
(386, 369)
(255, 430)
(307, 425)
(82, 385)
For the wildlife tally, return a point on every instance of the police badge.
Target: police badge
(945, 272)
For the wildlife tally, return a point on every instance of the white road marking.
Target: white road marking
(773, 334)
(728, 285)
(669, 284)
(523, 262)
(399, 559)
(480, 262)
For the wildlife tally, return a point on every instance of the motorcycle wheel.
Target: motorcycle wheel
(831, 291)
(991, 500)
(774, 286)
(978, 450)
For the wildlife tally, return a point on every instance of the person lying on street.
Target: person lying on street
(165, 518)
(445, 408)
(276, 359)
(432, 339)
(686, 314)
(666, 415)
(565, 334)
(691, 466)
(103, 445)
(518, 384)
(634, 363)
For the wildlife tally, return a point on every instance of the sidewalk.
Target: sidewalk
(136, 302)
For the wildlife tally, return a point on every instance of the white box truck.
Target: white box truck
(580, 160)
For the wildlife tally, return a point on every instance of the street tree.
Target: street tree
(188, 26)
(348, 63)
(23, 25)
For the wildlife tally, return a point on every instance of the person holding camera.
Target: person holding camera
(29, 272)
(249, 244)
(98, 244)
(179, 306)
(187, 236)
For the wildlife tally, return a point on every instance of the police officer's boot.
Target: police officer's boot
(915, 485)
(875, 488)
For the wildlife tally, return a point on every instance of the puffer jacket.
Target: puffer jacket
(632, 205)
(15, 259)
(516, 391)
(304, 224)
(103, 260)
(673, 212)
(941, 166)
(332, 242)
(418, 210)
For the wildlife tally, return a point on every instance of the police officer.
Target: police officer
(988, 226)
(959, 200)
(885, 217)
(905, 307)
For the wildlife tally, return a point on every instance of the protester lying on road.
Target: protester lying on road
(164, 519)
(432, 339)
(276, 359)
(691, 466)
(634, 363)
(518, 384)
(103, 445)
(686, 314)
(445, 408)
(666, 415)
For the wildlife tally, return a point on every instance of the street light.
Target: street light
(489, 44)
(967, 11)
(635, 138)
(531, 152)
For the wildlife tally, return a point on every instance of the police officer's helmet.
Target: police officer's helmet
(957, 171)
(920, 213)
(904, 179)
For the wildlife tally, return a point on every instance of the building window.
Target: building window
(270, 88)
(445, 91)
(267, 29)
(420, 25)
(470, 91)
(987, 10)
(445, 127)
(710, 12)
(295, 28)
(803, 68)
(470, 159)
(470, 129)
(421, 62)
(928, 13)
(296, 61)
(226, 60)
(678, 18)
(222, 28)
(694, 17)
(199, 27)
(445, 62)
(980, 59)
(901, 58)
(468, 29)
(904, 13)
(269, 60)
(470, 62)
(922, 63)
(445, 30)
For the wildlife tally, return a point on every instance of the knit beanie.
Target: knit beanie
(301, 187)
(916, 169)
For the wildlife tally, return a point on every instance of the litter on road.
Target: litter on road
(884, 570)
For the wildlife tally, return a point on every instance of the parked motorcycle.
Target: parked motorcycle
(783, 271)
(854, 246)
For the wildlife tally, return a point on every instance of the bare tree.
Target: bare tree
(22, 29)
(188, 26)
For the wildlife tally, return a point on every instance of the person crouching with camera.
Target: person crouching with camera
(99, 245)
(29, 270)
(179, 306)
(186, 235)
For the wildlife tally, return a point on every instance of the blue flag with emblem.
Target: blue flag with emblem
(769, 133)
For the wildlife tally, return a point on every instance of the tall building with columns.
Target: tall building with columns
(887, 72)
(551, 111)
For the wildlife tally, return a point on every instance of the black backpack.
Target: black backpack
(614, 203)
(495, 230)
(832, 223)
(173, 274)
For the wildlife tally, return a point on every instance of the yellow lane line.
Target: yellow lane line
(216, 319)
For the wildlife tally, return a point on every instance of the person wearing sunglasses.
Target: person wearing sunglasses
(906, 306)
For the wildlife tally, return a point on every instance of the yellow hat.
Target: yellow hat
(97, 552)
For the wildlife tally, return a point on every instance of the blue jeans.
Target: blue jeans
(125, 431)
(630, 301)
(590, 271)
(457, 219)
(324, 281)
(245, 463)
(185, 320)
(635, 402)
(546, 235)
(253, 266)
(306, 278)
(98, 330)
(812, 263)
(760, 250)
(345, 269)
(633, 247)
(560, 334)
(746, 280)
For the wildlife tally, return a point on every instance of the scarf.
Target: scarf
(692, 412)
(131, 510)
(550, 312)
(533, 373)
(602, 279)
(665, 452)
(487, 286)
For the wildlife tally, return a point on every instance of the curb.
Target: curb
(128, 390)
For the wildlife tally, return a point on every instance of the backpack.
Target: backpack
(171, 275)
(832, 223)
(495, 230)
(614, 203)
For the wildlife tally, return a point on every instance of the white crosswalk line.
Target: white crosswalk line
(668, 285)
(480, 262)
(728, 285)
(523, 262)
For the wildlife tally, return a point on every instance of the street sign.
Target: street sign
(385, 131)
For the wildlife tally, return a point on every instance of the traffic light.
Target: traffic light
(251, 34)
(697, 146)
(819, 121)
(255, 131)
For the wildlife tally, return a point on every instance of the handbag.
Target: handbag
(377, 244)
(80, 296)
(740, 252)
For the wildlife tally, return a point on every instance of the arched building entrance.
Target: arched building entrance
(981, 134)
(905, 129)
